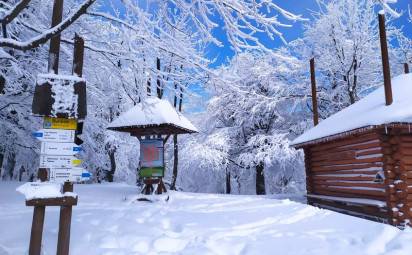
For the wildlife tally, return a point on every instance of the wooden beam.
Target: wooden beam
(314, 94)
(385, 60)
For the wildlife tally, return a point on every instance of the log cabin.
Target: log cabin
(359, 160)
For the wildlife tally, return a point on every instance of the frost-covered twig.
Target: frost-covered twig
(46, 35)
(13, 12)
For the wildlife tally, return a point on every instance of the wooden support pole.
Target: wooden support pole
(385, 60)
(78, 55)
(406, 67)
(37, 230)
(63, 241)
(314, 94)
(55, 40)
(159, 89)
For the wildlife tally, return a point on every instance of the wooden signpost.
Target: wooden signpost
(61, 100)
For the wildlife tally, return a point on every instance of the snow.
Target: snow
(152, 111)
(367, 112)
(108, 220)
(33, 190)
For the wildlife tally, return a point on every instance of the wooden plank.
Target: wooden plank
(368, 211)
(58, 201)
(343, 172)
(342, 194)
(344, 178)
(351, 184)
(357, 146)
(346, 141)
(348, 192)
(347, 167)
(347, 162)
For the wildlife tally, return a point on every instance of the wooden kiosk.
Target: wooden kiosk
(152, 121)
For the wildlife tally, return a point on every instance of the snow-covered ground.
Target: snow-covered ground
(108, 221)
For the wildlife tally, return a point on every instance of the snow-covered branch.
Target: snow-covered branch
(13, 12)
(46, 35)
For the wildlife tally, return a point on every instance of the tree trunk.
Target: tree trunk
(260, 180)
(228, 188)
(1, 163)
(175, 162)
(112, 158)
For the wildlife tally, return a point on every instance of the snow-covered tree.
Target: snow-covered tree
(248, 124)
(344, 39)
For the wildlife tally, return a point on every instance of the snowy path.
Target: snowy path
(106, 221)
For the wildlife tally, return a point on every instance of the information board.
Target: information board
(151, 158)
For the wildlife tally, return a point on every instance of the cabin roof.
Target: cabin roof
(152, 116)
(368, 113)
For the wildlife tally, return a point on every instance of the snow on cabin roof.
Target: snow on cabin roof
(368, 112)
(152, 112)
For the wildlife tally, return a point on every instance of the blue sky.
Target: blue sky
(302, 7)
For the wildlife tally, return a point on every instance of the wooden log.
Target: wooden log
(351, 192)
(59, 201)
(356, 146)
(369, 152)
(334, 156)
(346, 142)
(347, 162)
(37, 230)
(343, 178)
(347, 167)
(343, 172)
(350, 184)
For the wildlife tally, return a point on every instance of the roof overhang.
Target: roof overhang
(161, 129)
(351, 133)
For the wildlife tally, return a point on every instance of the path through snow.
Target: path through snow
(107, 221)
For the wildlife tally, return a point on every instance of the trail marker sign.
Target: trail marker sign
(55, 135)
(57, 161)
(59, 123)
(63, 149)
(76, 174)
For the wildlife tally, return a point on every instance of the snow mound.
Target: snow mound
(368, 112)
(152, 111)
(32, 190)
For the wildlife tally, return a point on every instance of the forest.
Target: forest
(248, 101)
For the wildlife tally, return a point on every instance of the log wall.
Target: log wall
(349, 172)
(397, 147)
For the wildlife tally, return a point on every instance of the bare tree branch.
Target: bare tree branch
(12, 13)
(46, 35)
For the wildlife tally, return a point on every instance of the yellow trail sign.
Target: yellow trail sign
(59, 123)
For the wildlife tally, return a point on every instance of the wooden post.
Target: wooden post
(406, 67)
(55, 40)
(37, 230)
(314, 94)
(158, 88)
(63, 241)
(78, 54)
(385, 60)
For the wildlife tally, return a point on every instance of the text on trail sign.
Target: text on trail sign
(51, 161)
(64, 149)
(75, 174)
(59, 123)
(55, 135)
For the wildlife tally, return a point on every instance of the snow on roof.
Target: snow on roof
(152, 111)
(367, 112)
